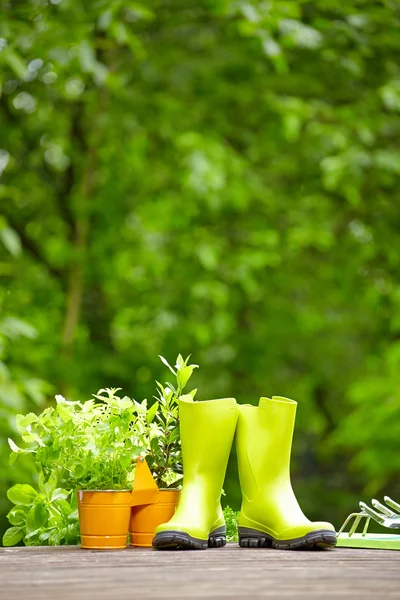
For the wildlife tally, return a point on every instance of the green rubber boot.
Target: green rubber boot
(207, 431)
(270, 515)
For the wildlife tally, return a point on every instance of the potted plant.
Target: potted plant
(91, 447)
(158, 426)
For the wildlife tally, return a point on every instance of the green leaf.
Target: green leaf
(41, 481)
(12, 536)
(14, 446)
(49, 486)
(64, 507)
(43, 537)
(28, 539)
(17, 516)
(174, 436)
(11, 241)
(151, 413)
(59, 494)
(21, 494)
(65, 412)
(231, 521)
(23, 421)
(166, 363)
(31, 438)
(125, 403)
(12, 458)
(180, 363)
(57, 536)
(154, 444)
(184, 375)
(16, 63)
(171, 388)
(79, 470)
(160, 386)
(36, 518)
(55, 519)
(73, 516)
(13, 328)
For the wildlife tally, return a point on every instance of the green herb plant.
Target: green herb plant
(45, 518)
(231, 522)
(89, 445)
(159, 425)
(92, 445)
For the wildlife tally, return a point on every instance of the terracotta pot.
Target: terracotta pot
(104, 518)
(145, 519)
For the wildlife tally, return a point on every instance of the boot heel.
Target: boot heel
(251, 538)
(217, 538)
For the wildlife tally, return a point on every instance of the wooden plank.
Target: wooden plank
(61, 573)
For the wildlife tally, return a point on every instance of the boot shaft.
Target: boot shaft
(207, 430)
(264, 440)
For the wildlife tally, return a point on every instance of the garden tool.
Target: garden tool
(207, 430)
(270, 515)
(388, 516)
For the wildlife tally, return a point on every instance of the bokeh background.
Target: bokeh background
(217, 178)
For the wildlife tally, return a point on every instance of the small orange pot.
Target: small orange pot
(145, 519)
(104, 518)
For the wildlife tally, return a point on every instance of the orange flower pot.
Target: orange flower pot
(145, 519)
(104, 518)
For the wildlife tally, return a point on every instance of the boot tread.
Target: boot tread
(180, 540)
(314, 540)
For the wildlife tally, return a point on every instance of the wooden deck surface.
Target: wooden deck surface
(66, 572)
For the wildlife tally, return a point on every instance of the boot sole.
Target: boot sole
(315, 540)
(179, 540)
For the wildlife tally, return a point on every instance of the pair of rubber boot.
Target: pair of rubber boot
(270, 515)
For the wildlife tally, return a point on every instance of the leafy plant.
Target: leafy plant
(88, 445)
(231, 521)
(92, 445)
(48, 517)
(20, 392)
(159, 425)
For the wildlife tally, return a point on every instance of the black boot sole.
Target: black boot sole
(315, 540)
(179, 540)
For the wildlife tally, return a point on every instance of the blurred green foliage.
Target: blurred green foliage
(220, 179)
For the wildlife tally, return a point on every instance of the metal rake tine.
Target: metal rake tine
(355, 524)
(357, 518)
(386, 512)
(393, 504)
(364, 531)
(372, 513)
